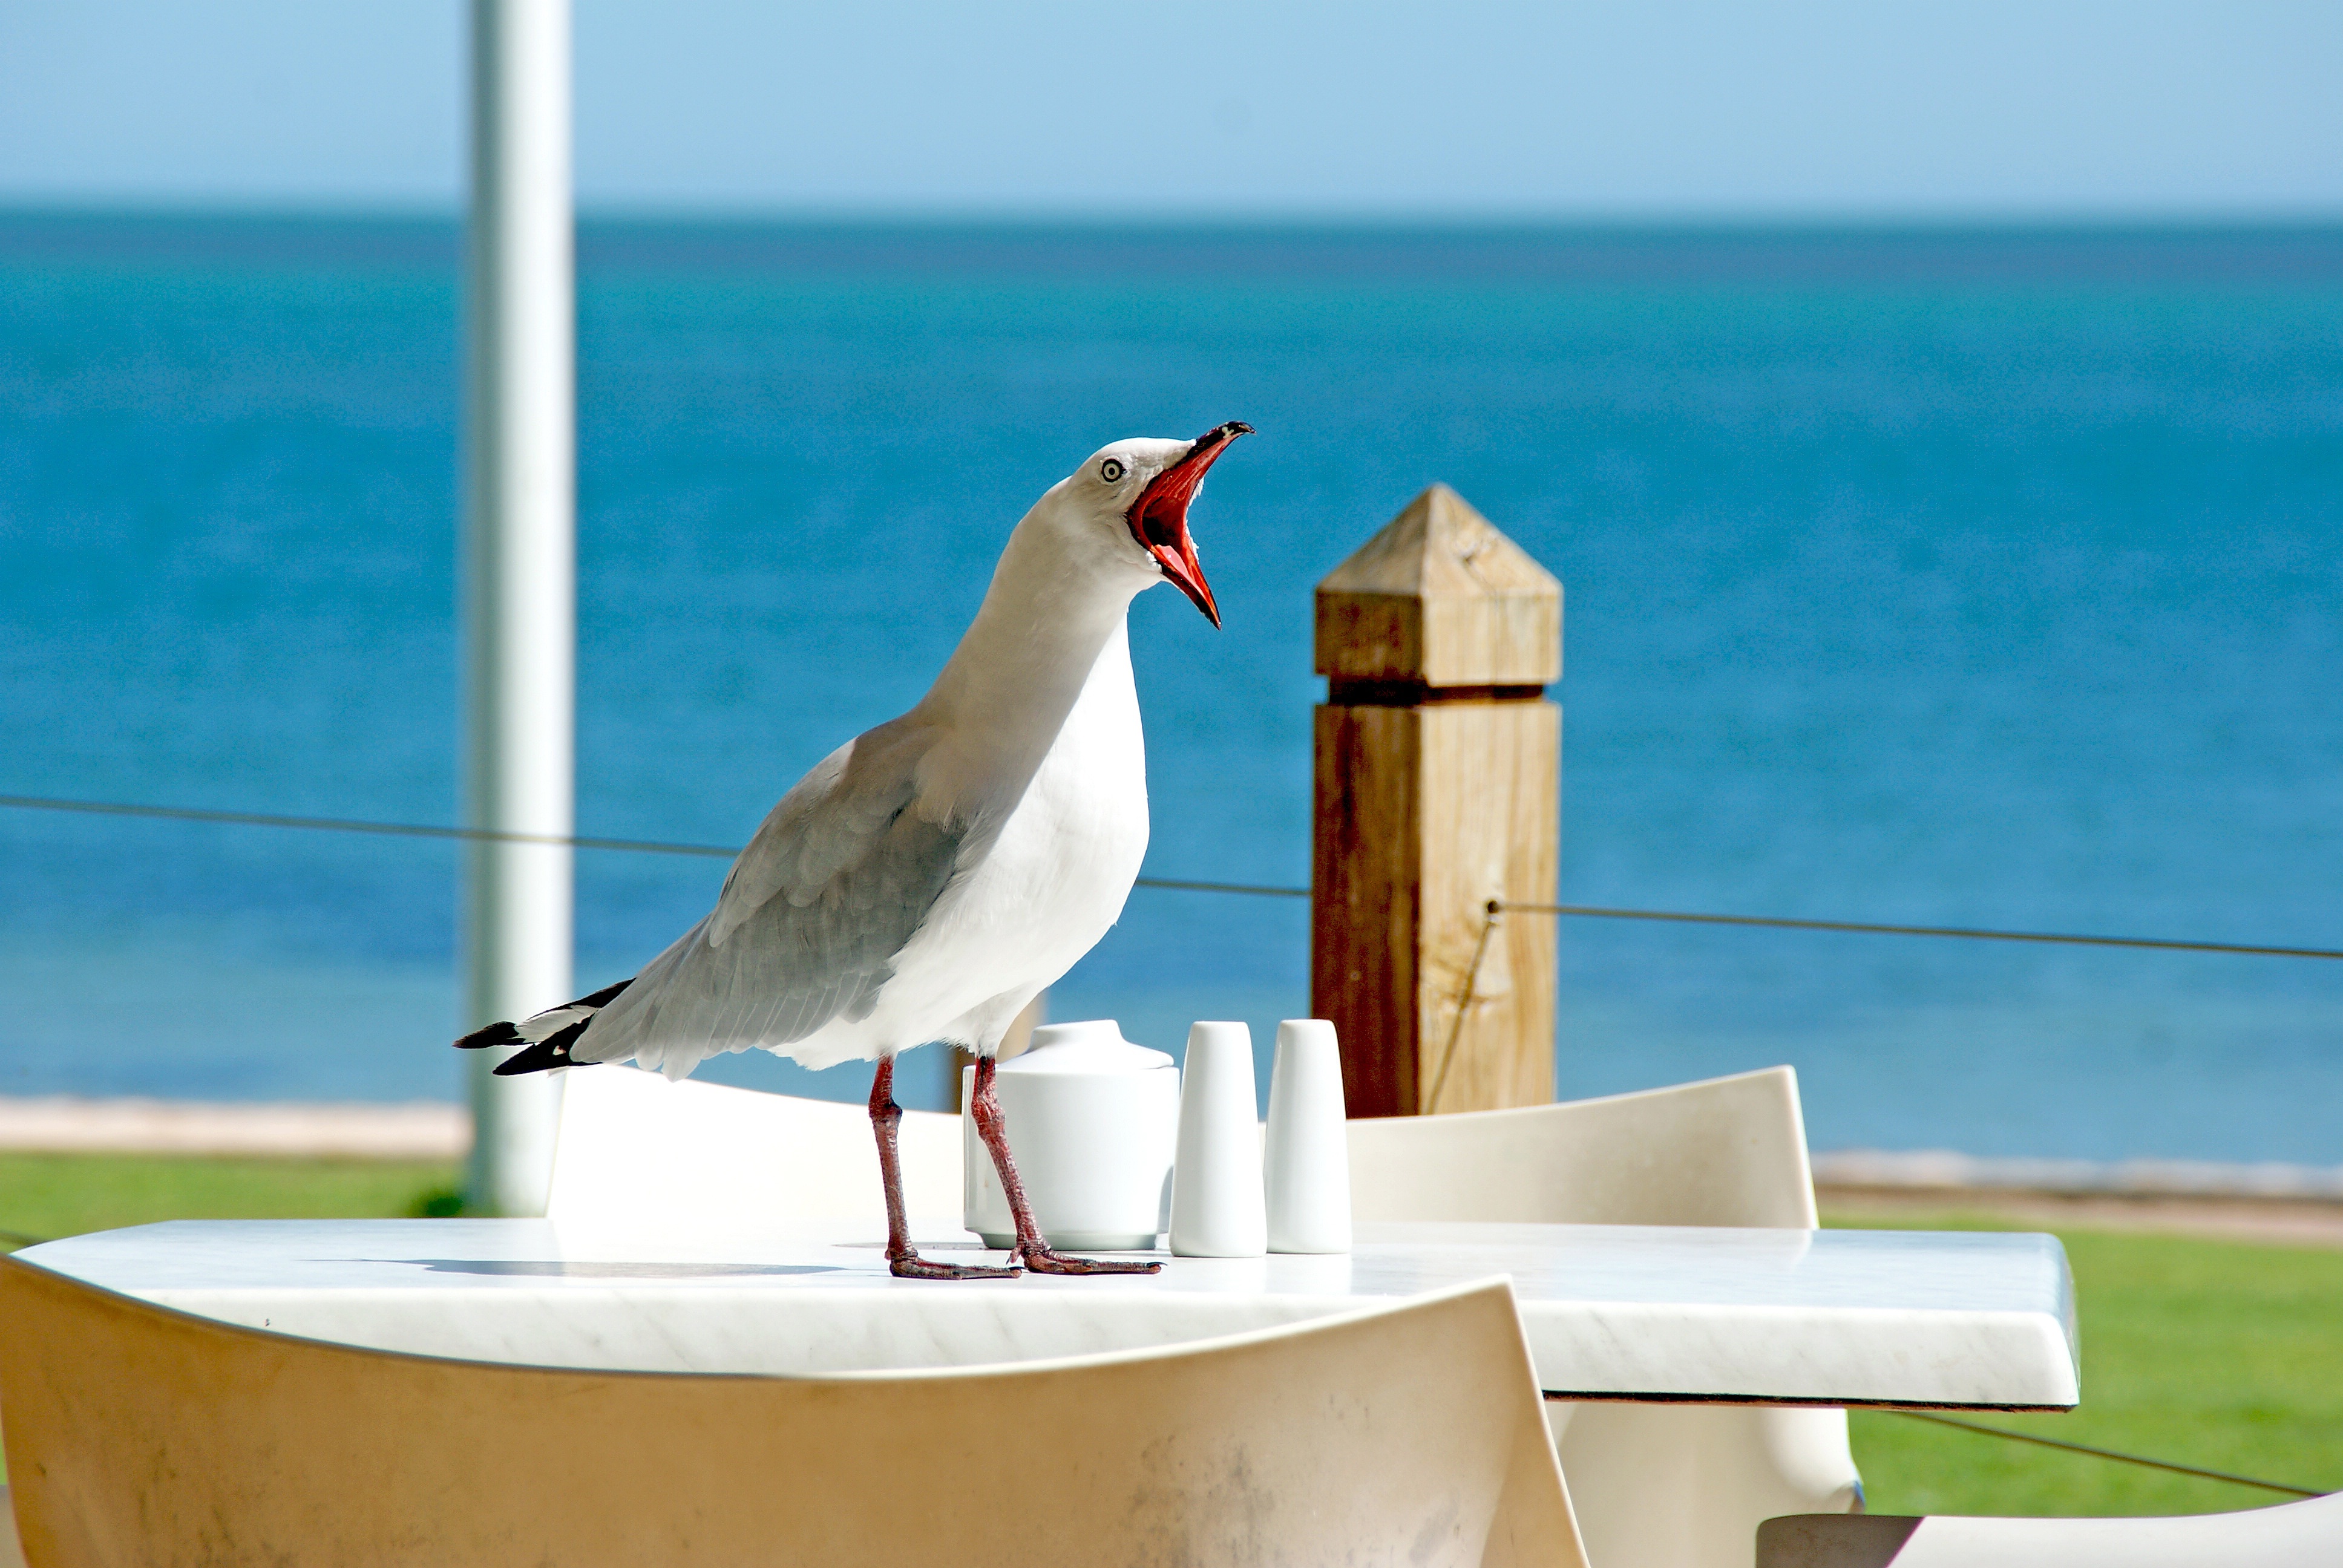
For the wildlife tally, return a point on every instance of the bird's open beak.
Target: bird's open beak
(1159, 518)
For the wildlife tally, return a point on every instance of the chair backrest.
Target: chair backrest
(634, 1146)
(1408, 1433)
(1678, 1485)
(1722, 1151)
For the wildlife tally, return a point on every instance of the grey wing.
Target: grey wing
(836, 882)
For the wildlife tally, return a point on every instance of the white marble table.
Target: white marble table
(1950, 1318)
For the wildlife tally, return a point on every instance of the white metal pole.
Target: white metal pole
(520, 575)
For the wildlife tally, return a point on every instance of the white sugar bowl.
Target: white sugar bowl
(1092, 1122)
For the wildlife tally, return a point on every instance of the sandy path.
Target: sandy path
(422, 1130)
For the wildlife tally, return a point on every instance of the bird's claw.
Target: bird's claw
(1042, 1261)
(911, 1266)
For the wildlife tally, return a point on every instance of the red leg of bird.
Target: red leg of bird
(985, 1106)
(903, 1258)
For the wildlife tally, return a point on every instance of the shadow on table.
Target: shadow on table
(572, 1269)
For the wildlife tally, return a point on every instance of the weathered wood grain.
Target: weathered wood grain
(1437, 789)
(1439, 596)
(1366, 860)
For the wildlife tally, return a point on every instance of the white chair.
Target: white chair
(1401, 1434)
(1657, 1485)
(2306, 1534)
(633, 1147)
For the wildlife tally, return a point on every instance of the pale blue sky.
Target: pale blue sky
(1672, 107)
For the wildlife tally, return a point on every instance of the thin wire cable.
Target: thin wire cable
(1169, 884)
(492, 835)
(1497, 907)
(1252, 889)
(1973, 933)
(2109, 1454)
(353, 825)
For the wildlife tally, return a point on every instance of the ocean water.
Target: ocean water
(1938, 576)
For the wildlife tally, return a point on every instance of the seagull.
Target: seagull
(931, 876)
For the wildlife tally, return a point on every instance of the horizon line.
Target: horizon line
(2008, 220)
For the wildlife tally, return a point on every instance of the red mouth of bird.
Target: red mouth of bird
(1159, 518)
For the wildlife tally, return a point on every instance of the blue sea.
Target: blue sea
(1946, 576)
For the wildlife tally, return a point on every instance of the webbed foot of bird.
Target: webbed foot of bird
(1042, 1261)
(911, 1266)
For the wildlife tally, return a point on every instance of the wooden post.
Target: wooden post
(1438, 790)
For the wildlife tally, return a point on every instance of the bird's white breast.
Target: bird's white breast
(1051, 885)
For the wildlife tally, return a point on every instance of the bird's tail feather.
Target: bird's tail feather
(548, 1035)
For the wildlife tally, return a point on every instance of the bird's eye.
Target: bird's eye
(1111, 470)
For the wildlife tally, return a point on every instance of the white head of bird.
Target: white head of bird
(1126, 510)
(1112, 528)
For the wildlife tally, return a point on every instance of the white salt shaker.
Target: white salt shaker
(1216, 1195)
(1306, 1167)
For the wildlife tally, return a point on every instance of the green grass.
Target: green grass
(2225, 1355)
(44, 1196)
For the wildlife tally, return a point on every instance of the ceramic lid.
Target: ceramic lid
(1091, 1046)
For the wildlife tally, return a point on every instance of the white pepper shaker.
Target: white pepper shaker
(1217, 1211)
(1306, 1165)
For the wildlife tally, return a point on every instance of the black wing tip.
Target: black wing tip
(545, 1054)
(501, 1032)
(537, 1057)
